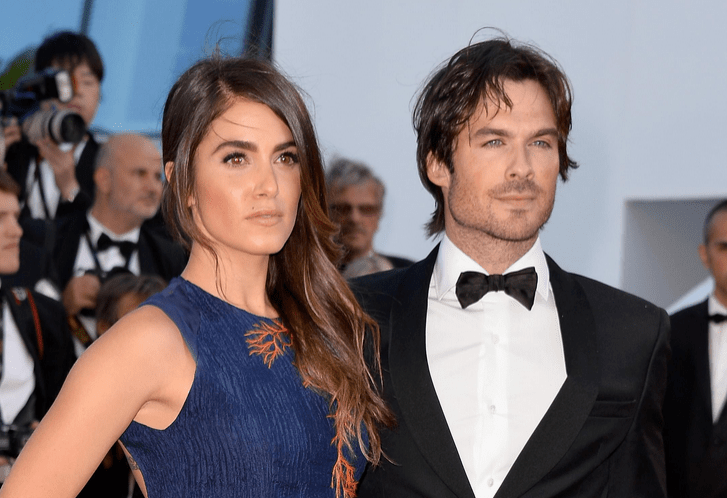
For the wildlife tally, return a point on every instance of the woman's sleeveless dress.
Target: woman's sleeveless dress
(248, 427)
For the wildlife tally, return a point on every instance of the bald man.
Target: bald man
(111, 237)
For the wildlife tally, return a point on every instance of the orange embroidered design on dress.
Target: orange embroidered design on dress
(269, 340)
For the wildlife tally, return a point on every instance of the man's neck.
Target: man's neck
(721, 297)
(492, 254)
(116, 224)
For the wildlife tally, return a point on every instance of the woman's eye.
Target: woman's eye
(235, 158)
(289, 158)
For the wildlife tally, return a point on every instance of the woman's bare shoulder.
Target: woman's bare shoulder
(145, 337)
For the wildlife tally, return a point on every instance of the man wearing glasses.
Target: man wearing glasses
(356, 198)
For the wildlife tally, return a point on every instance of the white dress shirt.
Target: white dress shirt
(496, 366)
(717, 357)
(51, 192)
(108, 259)
(18, 378)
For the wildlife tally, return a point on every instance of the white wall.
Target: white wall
(649, 113)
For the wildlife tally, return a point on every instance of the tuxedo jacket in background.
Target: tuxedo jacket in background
(57, 358)
(157, 254)
(696, 448)
(601, 437)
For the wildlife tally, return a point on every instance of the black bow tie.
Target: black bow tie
(718, 318)
(126, 247)
(520, 285)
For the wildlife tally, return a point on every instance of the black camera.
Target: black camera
(24, 100)
(13, 439)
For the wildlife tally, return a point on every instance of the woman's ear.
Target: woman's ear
(168, 170)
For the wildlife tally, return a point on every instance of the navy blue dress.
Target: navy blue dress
(248, 427)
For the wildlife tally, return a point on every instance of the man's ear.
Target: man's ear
(102, 180)
(437, 172)
(704, 256)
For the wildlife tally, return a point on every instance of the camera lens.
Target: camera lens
(60, 126)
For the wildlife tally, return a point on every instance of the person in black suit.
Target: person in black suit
(111, 237)
(551, 383)
(55, 180)
(356, 203)
(35, 346)
(695, 423)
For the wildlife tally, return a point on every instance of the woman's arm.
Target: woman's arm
(139, 369)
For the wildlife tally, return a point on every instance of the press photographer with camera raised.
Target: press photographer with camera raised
(57, 179)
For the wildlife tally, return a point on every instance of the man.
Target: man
(550, 388)
(56, 180)
(35, 347)
(110, 238)
(695, 424)
(356, 199)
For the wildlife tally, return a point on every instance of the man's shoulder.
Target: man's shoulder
(380, 283)
(167, 255)
(610, 305)
(398, 262)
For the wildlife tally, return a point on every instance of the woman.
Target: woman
(246, 376)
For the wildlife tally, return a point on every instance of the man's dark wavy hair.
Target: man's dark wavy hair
(477, 74)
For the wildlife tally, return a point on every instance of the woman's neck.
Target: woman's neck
(240, 280)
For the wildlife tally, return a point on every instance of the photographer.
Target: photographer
(56, 180)
(110, 238)
(36, 351)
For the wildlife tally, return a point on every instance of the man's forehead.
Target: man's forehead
(8, 203)
(70, 63)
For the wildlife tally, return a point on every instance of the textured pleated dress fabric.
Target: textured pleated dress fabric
(248, 427)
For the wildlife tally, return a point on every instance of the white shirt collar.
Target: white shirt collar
(451, 261)
(96, 228)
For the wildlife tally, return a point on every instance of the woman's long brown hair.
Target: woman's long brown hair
(327, 326)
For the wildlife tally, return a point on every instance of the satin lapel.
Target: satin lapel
(68, 240)
(569, 411)
(23, 321)
(412, 381)
(701, 362)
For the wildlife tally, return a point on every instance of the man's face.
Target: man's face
(135, 181)
(357, 210)
(714, 255)
(506, 166)
(86, 92)
(10, 233)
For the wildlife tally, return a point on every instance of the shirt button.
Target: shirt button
(490, 482)
(495, 339)
(492, 408)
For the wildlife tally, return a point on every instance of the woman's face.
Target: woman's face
(247, 177)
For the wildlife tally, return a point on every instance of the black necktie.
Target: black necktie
(520, 285)
(125, 247)
(718, 318)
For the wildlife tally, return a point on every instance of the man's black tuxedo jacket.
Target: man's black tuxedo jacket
(57, 357)
(696, 448)
(157, 254)
(601, 436)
